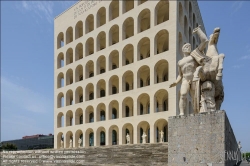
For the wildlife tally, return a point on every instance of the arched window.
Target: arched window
(127, 111)
(61, 102)
(102, 93)
(91, 117)
(101, 17)
(144, 20)
(89, 24)
(91, 96)
(60, 60)
(114, 137)
(162, 11)
(81, 119)
(114, 60)
(114, 113)
(141, 109)
(69, 35)
(102, 115)
(127, 86)
(102, 141)
(161, 41)
(128, 5)
(114, 35)
(114, 90)
(114, 9)
(60, 40)
(128, 54)
(143, 48)
(79, 29)
(89, 47)
(91, 139)
(101, 41)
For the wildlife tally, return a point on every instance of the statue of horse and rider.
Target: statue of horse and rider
(201, 74)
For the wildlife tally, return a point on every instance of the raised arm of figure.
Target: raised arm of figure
(202, 36)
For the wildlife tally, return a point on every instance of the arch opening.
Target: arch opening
(89, 24)
(69, 35)
(79, 30)
(143, 49)
(144, 20)
(143, 104)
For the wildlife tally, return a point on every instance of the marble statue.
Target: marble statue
(70, 143)
(201, 74)
(144, 138)
(161, 136)
(208, 77)
(79, 142)
(186, 68)
(128, 138)
(62, 143)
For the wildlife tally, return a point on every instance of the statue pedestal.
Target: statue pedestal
(202, 139)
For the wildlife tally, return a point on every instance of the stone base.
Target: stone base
(138, 154)
(202, 139)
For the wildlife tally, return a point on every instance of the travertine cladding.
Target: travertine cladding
(201, 139)
(113, 64)
(137, 155)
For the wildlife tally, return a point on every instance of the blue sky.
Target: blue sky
(27, 64)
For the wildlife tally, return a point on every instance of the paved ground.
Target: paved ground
(244, 163)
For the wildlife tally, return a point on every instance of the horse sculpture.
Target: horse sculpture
(208, 76)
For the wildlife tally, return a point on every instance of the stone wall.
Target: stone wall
(139, 154)
(201, 139)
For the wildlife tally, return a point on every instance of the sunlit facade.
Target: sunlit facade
(114, 62)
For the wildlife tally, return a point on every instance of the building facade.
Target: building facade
(38, 141)
(113, 64)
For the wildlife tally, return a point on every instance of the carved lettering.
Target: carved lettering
(84, 6)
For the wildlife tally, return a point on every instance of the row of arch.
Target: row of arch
(161, 15)
(111, 136)
(189, 13)
(188, 23)
(161, 44)
(103, 89)
(112, 110)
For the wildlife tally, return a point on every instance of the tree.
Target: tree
(9, 146)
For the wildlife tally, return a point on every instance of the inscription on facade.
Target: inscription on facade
(84, 6)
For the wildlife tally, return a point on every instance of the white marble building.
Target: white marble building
(114, 62)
